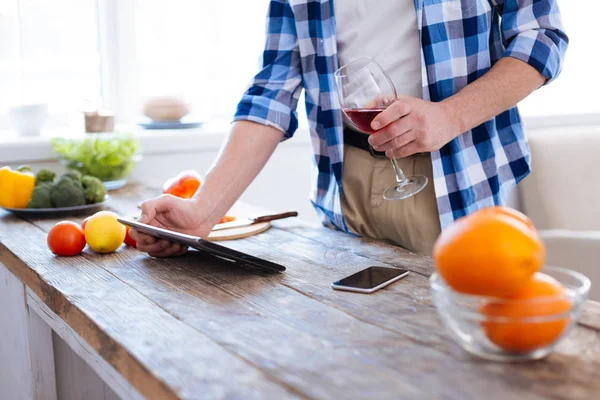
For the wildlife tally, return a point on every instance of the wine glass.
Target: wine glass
(365, 90)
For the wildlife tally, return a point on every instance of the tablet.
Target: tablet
(243, 259)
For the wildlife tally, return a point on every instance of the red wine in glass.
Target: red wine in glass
(365, 90)
(362, 117)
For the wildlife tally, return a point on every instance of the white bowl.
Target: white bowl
(165, 108)
(28, 119)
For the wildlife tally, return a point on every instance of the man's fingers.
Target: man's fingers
(398, 141)
(171, 251)
(148, 211)
(155, 206)
(183, 250)
(141, 237)
(404, 151)
(157, 247)
(400, 108)
(390, 132)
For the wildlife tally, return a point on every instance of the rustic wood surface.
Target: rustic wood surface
(198, 327)
(79, 372)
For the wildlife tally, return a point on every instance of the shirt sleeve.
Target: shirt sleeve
(272, 96)
(532, 31)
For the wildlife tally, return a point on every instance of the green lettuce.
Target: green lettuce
(107, 158)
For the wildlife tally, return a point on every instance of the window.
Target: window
(208, 53)
(49, 54)
(119, 51)
(575, 92)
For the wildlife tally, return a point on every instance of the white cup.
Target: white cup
(28, 119)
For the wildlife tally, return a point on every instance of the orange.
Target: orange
(541, 296)
(491, 252)
(510, 212)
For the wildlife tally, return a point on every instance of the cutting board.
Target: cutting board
(239, 233)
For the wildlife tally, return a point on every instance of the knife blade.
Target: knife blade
(251, 221)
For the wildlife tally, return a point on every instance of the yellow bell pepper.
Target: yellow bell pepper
(16, 187)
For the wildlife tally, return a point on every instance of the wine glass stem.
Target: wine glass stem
(400, 177)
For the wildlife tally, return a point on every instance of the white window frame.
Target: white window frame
(117, 24)
(118, 70)
(117, 34)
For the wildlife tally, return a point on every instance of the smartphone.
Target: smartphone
(370, 279)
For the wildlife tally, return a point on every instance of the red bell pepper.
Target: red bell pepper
(184, 185)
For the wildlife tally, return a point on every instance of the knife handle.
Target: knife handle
(266, 218)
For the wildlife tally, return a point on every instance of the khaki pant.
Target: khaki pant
(412, 223)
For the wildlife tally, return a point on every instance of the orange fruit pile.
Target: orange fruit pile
(543, 296)
(497, 252)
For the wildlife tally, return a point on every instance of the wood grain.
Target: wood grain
(591, 316)
(75, 379)
(414, 316)
(125, 327)
(42, 358)
(288, 334)
(16, 380)
(80, 371)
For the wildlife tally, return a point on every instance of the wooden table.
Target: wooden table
(197, 327)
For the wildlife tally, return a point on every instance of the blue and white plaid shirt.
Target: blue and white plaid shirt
(460, 41)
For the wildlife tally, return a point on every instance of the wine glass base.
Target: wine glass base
(400, 191)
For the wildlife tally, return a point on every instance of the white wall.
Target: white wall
(283, 185)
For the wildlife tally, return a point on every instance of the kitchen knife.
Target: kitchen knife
(251, 221)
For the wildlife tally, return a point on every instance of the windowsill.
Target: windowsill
(15, 149)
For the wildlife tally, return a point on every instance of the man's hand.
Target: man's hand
(173, 213)
(411, 125)
(224, 183)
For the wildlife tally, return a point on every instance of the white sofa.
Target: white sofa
(562, 196)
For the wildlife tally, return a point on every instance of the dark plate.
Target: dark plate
(51, 212)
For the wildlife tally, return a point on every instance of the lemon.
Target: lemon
(103, 233)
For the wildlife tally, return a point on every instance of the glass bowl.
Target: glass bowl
(509, 330)
(114, 178)
(111, 157)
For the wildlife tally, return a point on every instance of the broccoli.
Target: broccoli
(44, 175)
(40, 197)
(94, 189)
(73, 174)
(67, 193)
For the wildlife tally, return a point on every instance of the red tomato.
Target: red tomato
(84, 223)
(128, 239)
(66, 239)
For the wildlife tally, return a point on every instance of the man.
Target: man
(461, 66)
